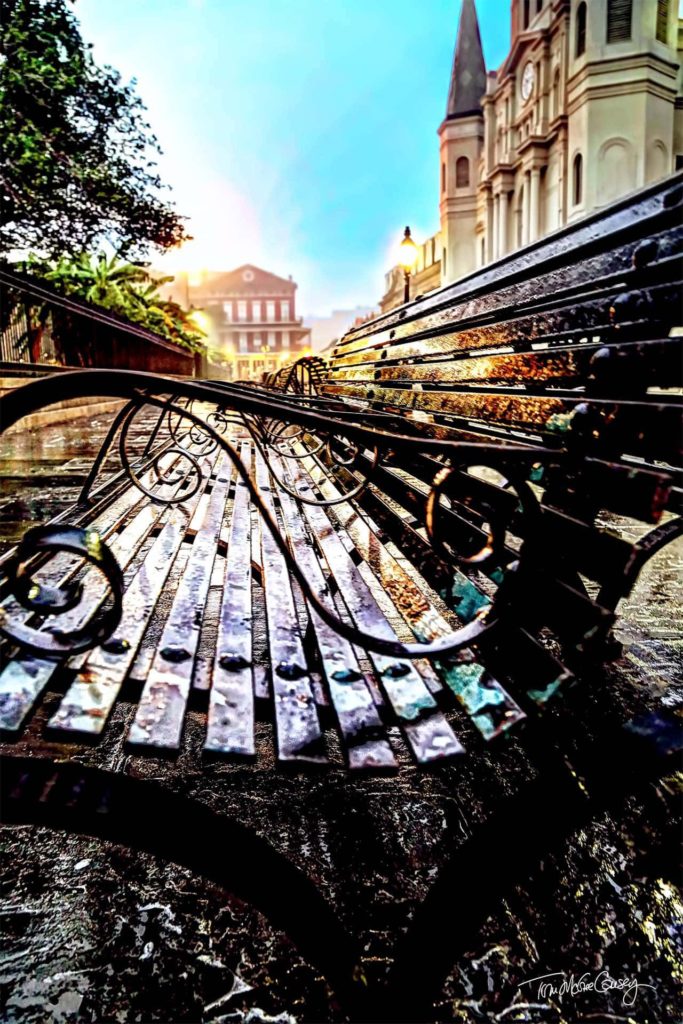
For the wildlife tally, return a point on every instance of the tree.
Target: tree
(77, 164)
(127, 289)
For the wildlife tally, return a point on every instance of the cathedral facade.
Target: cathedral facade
(586, 107)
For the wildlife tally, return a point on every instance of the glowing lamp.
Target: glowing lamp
(407, 258)
(407, 251)
(200, 320)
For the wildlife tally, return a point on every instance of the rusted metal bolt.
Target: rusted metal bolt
(290, 670)
(346, 675)
(397, 670)
(175, 654)
(116, 646)
(232, 662)
(645, 253)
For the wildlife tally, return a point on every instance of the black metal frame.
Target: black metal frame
(358, 445)
(262, 414)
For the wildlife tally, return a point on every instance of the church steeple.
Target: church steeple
(468, 77)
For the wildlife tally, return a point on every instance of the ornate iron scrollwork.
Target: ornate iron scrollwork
(84, 626)
(445, 483)
(192, 420)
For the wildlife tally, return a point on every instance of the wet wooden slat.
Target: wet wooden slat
(299, 734)
(562, 367)
(365, 741)
(25, 677)
(557, 327)
(651, 429)
(61, 567)
(160, 716)
(490, 707)
(607, 242)
(89, 700)
(86, 706)
(519, 659)
(429, 735)
(230, 725)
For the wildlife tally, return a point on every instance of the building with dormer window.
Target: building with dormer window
(254, 328)
(586, 107)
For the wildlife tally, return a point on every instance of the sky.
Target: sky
(298, 135)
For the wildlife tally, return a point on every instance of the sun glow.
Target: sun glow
(225, 230)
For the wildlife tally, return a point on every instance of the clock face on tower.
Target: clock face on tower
(528, 78)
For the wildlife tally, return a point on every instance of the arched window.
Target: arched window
(663, 21)
(443, 177)
(577, 184)
(618, 20)
(580, 30)
(556, 93)
(462, 172)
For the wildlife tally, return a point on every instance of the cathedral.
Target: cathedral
(586, 107)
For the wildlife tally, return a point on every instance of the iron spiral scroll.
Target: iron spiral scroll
(289, 423)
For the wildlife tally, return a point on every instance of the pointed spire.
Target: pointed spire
(468, 77)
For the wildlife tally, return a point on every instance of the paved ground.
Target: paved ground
(95, 932)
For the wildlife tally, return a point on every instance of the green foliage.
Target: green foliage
(77, 156)
(126, 289)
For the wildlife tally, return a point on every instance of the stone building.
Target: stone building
(254, 328)
(586, 107)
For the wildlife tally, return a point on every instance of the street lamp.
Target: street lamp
(407, 259)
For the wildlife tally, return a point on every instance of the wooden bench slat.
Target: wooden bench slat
(299, 733)
(523, 663)
(487, 703)
(599, 554)
(566, 366)
(87, 704)
(607, 257)
(653, 429)
(366, 744)
(25, 677)
(160, 715)
(554, 323)
(61, 567)
(230, 720)
(428, 732)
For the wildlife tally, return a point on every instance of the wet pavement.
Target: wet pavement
(97, 932)
(42, 471)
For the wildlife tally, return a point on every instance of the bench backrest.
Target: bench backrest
(562, 344)
(565, 345)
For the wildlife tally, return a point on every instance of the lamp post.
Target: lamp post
(407, 259)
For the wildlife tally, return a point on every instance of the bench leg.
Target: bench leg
(508, 848)
(144, 816)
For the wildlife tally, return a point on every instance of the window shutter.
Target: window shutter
(618, 20)
(580, 46)
(663, 20)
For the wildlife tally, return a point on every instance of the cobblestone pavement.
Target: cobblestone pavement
(96, 932)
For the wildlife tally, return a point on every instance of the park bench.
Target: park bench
(398, 554)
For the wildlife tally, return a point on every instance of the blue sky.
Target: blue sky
(299, 135)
